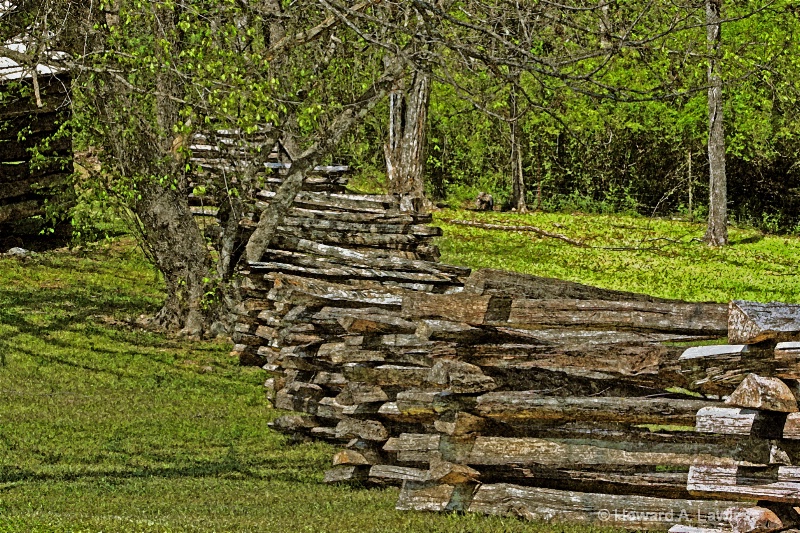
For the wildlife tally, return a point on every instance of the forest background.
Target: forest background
(599, 106)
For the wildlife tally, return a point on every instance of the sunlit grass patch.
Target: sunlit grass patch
(664, 258)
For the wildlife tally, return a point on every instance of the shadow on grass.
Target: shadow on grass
(748, 240)
(225, 468)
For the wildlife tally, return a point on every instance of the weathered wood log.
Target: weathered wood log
(530, 406)
(357, 227)
(335, 272)
(770, 394)
(752, 322)
(22, 171)
(397, 474)
(40, 121)
(293, 423)
(459, 424)
(366, 259)
(346, 474)
(460, 307)
(688, 318)
(450, 473)
(575, 453)
(417, 402)
(433, 496)
(383, 240)
(413, 448)
(642, 481)
(791, 428)
(340, 353)
(364, 429)
(53, 97)
(459, 377)
(330, 380)
(369, 203)
(626, 511)
(349, 457)
(391, 376)
(307, 291)
(363, 218)
(787, 360)
(355, 393)
(754, 520)
(369, 320)
(720, 369)
(737, 421)
(299, 396)
(517, 285)
(330, 408)
(682, 528)
(14, 150)
(774, 483)
(445, 330)
(19, 211)
(650, 364)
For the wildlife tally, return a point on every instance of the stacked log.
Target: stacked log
(221, 158)
(27, 182)
(761, 410)
(503, 393)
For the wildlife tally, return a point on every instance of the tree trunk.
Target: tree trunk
(517, 178)
(605, 25)
(149, 162)
(717, 232)
(179, 251)
(282, 202)
(405, 151)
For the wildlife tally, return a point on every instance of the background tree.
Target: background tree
(717, 233)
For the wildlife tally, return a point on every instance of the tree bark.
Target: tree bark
(405, 151)
(517, 178)
(717, 232)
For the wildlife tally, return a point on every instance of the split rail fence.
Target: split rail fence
(503, 393)
(28, 183)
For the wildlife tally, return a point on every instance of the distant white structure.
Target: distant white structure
(10, 69)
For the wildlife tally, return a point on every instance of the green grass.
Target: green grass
(105, 427)
(660, 257)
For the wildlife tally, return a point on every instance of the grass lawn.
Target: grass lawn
(104, 427)
(659, 257)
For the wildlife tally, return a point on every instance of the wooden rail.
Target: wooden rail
(510, 394)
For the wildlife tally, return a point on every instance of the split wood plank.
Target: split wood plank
(370, 259)
(721, 369)
(688, 318)
(787, 360)
(776, 483)
(753, 322)
(625, 511)
(288, 288)
(331, 270)
(594, 452)
(529, 406)
(459, 307)
(397, 474)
